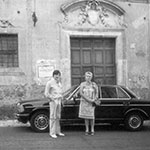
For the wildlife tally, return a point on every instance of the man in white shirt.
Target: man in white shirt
(53, 91)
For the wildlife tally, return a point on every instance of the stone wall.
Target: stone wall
(44, 46)
(15, 93)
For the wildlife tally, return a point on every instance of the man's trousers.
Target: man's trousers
(55, 114)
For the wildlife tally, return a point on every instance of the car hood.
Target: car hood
(34, 101)
(69, 93)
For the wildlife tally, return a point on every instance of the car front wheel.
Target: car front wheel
(134, 122)
(40, 121)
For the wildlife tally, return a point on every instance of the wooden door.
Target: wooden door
(96, 55)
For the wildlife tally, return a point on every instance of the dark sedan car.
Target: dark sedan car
(119, 105)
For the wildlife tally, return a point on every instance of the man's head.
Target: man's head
(57, 75)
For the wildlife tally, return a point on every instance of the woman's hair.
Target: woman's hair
(89, 73)
(56, 72)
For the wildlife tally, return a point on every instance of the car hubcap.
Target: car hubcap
(41, 122)
(134, 122)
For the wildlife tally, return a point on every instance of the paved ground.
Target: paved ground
(11, 123)
(16, 136)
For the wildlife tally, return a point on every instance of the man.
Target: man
(53, 91)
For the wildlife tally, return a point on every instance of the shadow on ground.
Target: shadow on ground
(101, 128)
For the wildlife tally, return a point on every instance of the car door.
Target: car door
(114, 101)
(70, 109)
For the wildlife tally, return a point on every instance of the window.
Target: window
(8, 50)
(122, 94)
(109, 92)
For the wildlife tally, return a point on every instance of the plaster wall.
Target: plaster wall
(47, 44)
(132, 58)
(137, 47)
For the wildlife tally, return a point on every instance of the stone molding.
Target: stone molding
(93, 13)
(65, 8)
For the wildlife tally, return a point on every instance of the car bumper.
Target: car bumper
(24, 118)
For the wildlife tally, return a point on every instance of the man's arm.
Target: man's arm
(47, 89)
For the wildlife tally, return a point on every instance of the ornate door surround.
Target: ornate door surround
(94, 18)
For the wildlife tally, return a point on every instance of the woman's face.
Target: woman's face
(88, 77)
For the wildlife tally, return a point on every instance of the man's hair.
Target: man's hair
(56, 72)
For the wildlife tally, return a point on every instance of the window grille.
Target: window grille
(8, 50)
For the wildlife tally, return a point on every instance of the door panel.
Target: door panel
(108, 57)
(87, 57)
(76, 57)
(109, 109)
(114, 101)
(96, 55)
(99, 58)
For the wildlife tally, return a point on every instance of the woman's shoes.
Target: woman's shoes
(89, 133)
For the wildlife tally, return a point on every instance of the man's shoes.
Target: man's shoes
(53, 136)
(61, 134)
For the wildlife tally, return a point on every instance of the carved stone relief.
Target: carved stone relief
(94, 14)
(5, 24)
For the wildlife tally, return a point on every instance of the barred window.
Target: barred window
(8, 50)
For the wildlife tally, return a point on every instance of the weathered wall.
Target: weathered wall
(45, 45)
(137, 47)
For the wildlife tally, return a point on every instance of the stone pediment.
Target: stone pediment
(93, 14)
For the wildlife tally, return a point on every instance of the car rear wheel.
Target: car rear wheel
(134, 122)
(40, 121)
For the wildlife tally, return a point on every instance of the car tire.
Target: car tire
(134, 122)
(40, 121)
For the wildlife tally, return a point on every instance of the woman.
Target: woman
(89, 93)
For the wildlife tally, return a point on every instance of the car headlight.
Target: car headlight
(20, 107)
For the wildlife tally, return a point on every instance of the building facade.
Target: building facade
(110, 38)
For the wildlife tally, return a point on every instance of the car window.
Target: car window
(122, 94)
(109, 92)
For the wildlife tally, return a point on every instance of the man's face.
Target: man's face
(57, 77)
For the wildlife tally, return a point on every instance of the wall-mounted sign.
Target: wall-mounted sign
(45, 71)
